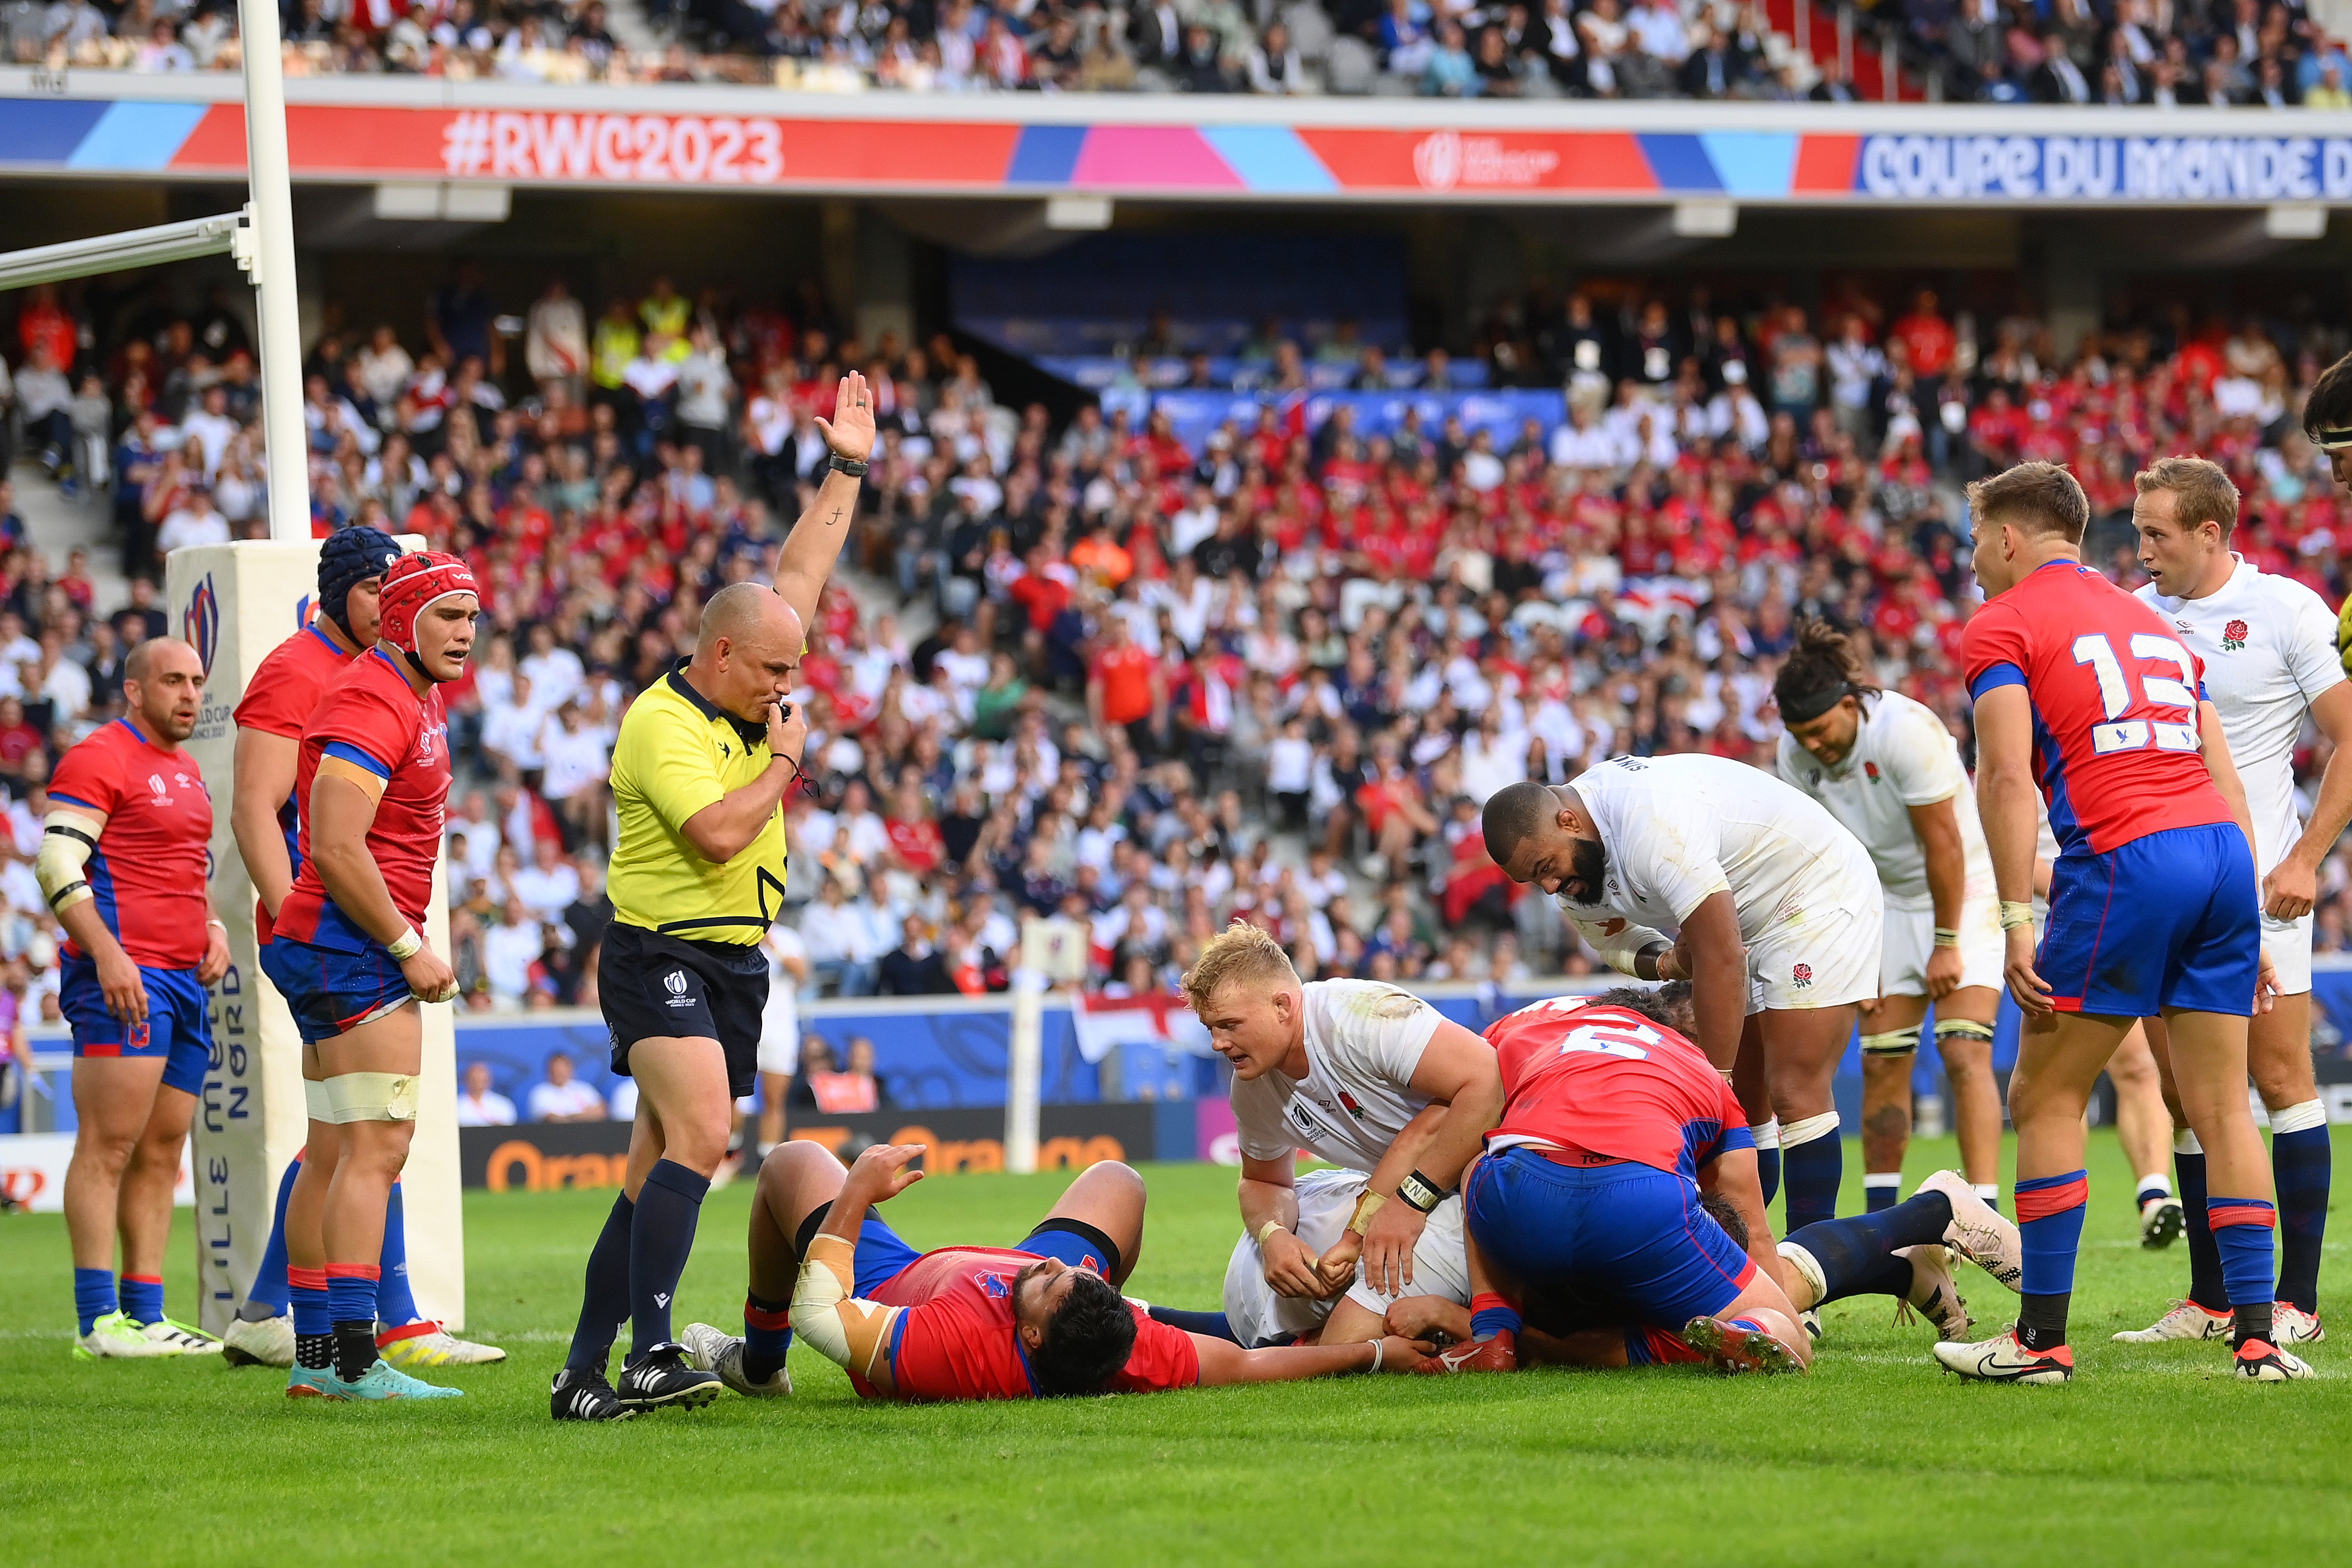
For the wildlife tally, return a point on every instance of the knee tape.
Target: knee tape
(1962, 1030)
(1825, 1125)
(372, 1097)
(1893, 1042)
(317, 1101)
(2301, 1118)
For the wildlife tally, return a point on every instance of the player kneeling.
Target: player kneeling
(973, 1322)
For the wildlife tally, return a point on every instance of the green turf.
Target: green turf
(2151, 1454)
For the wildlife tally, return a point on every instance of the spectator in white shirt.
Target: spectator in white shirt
(509, 948)
(839, 941)
(510, 728)
(196, 523)
(577, 763)
(209, 429)
(556, 673)
(63, 683)
(478, 1104)
(564, 1097)
(864, 838)
(549, 884)
(1581, 444)
(384, 368)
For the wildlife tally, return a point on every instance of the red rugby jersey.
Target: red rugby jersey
(149, 870)
(2115, 697)
(1609, 1081)
(958, 1340)
(371, 718)
(286, 689)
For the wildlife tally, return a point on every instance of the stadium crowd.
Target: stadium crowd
(1145, 682)
(2162, 52)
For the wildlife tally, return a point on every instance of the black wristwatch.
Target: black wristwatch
(853, 467)
(1420, 1192)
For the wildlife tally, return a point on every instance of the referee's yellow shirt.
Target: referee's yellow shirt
(677, 754)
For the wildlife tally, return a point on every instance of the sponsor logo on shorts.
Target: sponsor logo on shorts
(676, 981)
(1350, 1101)
(1802, 974)
(2234, 636)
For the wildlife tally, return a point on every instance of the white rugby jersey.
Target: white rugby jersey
(1677, 830)
(1364, 1042)
(1901, 756)
(2268, 645)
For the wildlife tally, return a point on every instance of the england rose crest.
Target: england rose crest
(2234, 636)
(1802, 974)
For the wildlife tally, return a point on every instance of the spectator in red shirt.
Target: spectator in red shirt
(1125, 687)
(915, 838)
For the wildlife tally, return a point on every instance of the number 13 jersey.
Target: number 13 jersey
(2114, 695)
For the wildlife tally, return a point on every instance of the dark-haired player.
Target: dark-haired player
(347, 954)
(1042, 1319)
(285, 690)
(122, 863)
(1889, 771)
(2088, 694)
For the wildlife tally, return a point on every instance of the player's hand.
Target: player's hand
(1401, 1354)
(1944, 972)
(1337, 1270)
(1429, 1318)
(850, 431)
(119, 981)
(788, 731)
(1388, 1242)
(429, 977)
(1292, 1268)
(2032, 993)
(2290, 890)
(1672, 966)
(883, 1172)
(2266, 985)
(216, 964)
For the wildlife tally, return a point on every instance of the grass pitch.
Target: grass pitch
(2152, 1455)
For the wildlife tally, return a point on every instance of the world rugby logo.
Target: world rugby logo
(1437, 161)
(676, 981)
(200, 622)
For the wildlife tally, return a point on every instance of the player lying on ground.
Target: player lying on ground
(2087, 693)
(974, 1322)
(122, 862)
(2268, 644)
(348, 953)
(285, 691)
(1613, 1127)
(1887, 768)
(1774, 912)
(1371, 1079)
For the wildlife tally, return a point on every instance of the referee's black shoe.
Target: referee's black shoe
(663, 1376)
(584, 1396)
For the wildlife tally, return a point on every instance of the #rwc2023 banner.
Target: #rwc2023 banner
(723, 151)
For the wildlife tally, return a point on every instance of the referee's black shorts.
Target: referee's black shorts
(662, 987)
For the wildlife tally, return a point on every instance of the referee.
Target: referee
(699, 772)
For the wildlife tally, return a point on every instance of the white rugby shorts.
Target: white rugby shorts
(1909, 940)
(1826, 957)
(1259, 1316)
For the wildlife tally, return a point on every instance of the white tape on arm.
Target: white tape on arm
(1620, 951)
(69, 838)
(849, 1332)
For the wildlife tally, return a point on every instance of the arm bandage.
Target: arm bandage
(69, 838)
(850, 1332)
(372, 1097)
(1620, 951)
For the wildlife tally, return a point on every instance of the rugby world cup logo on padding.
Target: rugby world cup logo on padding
(2234, 636)
(1437, 161)
(200, 622)
(1802, 974)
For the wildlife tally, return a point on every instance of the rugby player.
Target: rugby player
(1775, 915)
(1889, 771)
(347, 951)
(700, 770)
(1042, 1319)
(2268, 645)
(1579, 1319)
(122, 863)
(1371, 1079)
(2089, 693)
(285, 690)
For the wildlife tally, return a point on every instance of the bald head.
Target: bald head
(1513, 814)
(747, 657)
(157, 655)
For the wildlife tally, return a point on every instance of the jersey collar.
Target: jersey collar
(751, 735)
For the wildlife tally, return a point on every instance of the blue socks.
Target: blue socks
(1767, 1134)
(660, 1237)
(93, 1295)
(1214, 1325)
(351, 1304)
(394, 1304)
(1881, 1190)
(2302, 1164)
(270, 1294)
(1856, 1253)
(604, 1298)
(2241, 1232)
(2205, 1287)
(2049, 1224)
(768, 1335)
(1491, 1315)
(1813, 1166)
(143, 1298)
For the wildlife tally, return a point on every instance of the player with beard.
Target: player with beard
(1775, 918)
(286, 689)
(347, 953)
(122, 862)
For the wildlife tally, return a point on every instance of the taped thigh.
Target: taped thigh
(372, 1097)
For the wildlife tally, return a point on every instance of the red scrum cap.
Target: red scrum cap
(413, 584)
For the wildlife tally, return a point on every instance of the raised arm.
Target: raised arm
(826, 1311)
(815, 540)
